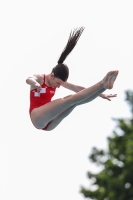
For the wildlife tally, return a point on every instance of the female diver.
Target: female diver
(46, 114)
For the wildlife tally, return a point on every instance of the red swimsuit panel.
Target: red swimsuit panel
(45, 96)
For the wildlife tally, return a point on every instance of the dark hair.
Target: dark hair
(61, 70)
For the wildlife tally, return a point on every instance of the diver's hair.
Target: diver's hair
(72, 41)
(61, 71)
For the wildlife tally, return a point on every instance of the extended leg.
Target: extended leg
(65, 113)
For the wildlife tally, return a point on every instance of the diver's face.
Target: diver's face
(55, 82)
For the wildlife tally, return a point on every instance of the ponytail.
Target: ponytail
(61, 70)
(72, 41)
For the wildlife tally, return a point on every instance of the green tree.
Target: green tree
(115, 180)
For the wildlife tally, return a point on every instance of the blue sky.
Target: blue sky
(51, 165)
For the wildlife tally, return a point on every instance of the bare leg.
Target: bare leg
(65, 113)
(59, 118)
(43, 115)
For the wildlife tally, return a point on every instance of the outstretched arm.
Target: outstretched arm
(77, 88)
(74, 88)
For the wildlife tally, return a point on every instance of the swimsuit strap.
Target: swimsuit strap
(44, 79)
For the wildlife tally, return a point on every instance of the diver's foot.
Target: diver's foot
(109, 79)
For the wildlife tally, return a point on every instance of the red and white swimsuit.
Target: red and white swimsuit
(45, 96)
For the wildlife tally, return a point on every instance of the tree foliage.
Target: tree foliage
(115, 180)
